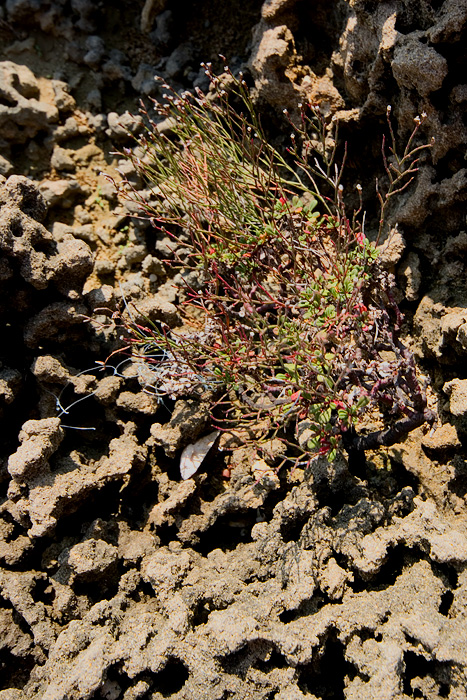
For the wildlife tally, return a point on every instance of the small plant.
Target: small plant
(291, 325)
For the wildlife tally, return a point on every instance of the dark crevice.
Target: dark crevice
(417, 668)
(227, 532)
(398, 559)
(307, 607)
(325, 677)
(14, 671)
(171, 679)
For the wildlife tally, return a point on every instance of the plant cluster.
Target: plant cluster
(290, 323)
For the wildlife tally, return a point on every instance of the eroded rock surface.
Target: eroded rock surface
(118, 580)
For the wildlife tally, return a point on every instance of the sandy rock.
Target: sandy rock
(271, 56)
(138, 403)
(409, 273)
(157, 308)
(444, 438)
(52, 494)
(22, 114)
(70, 129)
(62, 159)
(13, 640)
(101, 298)
(6, 168)
(18, 587)
(91, 560)
(456, 389)
(163, 512)
(103, 268)
(39, 440)
(63, 100)
(134, 545)
(436, 326)
(188, 420)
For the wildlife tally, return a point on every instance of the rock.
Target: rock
(419, 67)
(53, 494)
(188, 420)
(22, 113)
(157, 308)
(134, 254)
(123, 126)
(54, 323)
(150, 9)
(272, 55)
(24, 239)
(64, 101)
(410, 273)
(6, 168)
(39, 440)
(179, 61)
(139, 403)
(107, 390)
(103, 268)
(91, 560)
(144, 81)
(444, 438)
(456, 389)
(10, 383)
(392, 249)
(18, 588)
(62, 193)
(62, 159)
(134, 546)
(69, 130)
(96, 50)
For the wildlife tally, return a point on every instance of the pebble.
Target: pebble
(103, 268)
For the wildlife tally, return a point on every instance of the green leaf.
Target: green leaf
(313, 443)
(363, 401)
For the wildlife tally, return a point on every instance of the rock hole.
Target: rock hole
(260, 654)
(325, 676)
(172, 678)
(16, 228)
(307, 607)
(43, 591)
(417, 668)
(201, 613)
(274, 660)
(47, 247)
(318, 28)
(446, 602)
(228, 532)
(398, 559)
(291, 529)
(6, 100)
(14, 673)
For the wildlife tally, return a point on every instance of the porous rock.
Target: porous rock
(23, 238)
(22, 114)
(52, 493)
